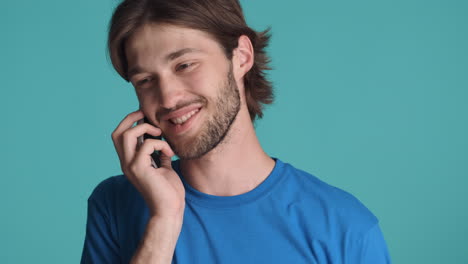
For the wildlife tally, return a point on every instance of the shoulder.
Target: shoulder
(341, 209)
(112, 191)
(108, 186)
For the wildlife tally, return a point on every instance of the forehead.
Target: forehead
(158, 40)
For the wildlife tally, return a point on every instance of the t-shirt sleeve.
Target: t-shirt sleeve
(369, 249)
(100, 245)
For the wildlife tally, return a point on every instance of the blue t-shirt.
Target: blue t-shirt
(291, 217)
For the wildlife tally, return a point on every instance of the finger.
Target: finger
(127, 123)
(149, 147)
(166, 161)
(130, 139)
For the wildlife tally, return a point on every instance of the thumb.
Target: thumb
(166, 160)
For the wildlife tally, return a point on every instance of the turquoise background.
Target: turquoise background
(371, 97)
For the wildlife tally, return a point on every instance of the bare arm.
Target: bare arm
(159, 241)
(161, 188)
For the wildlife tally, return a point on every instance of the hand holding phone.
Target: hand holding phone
(155, 157)
(161, 187)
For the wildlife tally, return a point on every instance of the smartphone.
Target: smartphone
(155, 157)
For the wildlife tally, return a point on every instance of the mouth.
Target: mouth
(183, 121)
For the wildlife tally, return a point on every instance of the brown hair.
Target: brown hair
(223, 19)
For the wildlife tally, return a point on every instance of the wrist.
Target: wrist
(171, 225)
(168, 215)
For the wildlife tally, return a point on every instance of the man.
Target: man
(198, 71)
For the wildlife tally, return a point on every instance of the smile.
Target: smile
(184, 118)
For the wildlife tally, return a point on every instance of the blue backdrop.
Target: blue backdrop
(371, 96)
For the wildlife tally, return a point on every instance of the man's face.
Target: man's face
(185, 86)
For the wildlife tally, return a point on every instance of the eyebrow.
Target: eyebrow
(179, 53)
(171, 56)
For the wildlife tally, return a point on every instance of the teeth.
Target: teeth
(182, 119)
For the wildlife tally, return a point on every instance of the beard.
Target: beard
(215, 129)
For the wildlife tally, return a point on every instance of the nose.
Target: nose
(170, 92)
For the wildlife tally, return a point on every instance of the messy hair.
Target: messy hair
(222, 19)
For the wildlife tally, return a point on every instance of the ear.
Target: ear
(243, 57)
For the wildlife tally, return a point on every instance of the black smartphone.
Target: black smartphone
(156, 161)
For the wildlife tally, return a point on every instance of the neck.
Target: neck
(236, 166)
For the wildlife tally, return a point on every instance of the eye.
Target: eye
(143, 81)
(184, 66)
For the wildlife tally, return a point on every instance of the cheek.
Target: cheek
(209, 79)
(198, 83)
(146, 94)
(146, 104)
